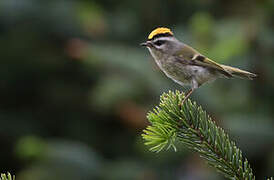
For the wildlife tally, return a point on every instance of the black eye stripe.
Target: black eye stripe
(159, 42)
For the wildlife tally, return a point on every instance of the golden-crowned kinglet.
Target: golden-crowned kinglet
(185, 65)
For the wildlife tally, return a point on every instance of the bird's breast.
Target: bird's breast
(184, 74)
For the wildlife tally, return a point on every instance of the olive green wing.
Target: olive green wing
(188, 55)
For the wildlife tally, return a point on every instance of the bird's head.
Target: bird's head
(162, 41)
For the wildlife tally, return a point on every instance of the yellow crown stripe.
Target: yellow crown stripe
(161, 30)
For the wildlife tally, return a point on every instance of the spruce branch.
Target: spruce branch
(190, 125)
(7, 176)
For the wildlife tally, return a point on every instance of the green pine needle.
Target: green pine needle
(7, 177)
(190, 125)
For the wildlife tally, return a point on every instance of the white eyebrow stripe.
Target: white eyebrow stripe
(162, 39)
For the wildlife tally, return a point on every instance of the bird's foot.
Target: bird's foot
(181, 104)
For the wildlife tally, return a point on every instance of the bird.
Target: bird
(185, 65)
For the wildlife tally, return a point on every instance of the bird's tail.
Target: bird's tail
(239, 73)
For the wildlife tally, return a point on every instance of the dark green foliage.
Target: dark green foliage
(191, 125)
(7, 176)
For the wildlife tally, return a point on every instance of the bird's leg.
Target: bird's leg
(187, 95)
(194, 85)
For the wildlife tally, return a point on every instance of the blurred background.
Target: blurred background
(75, 86)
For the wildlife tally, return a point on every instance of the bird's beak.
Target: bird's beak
(146, 44)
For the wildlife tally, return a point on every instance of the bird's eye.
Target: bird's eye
(159, 42)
